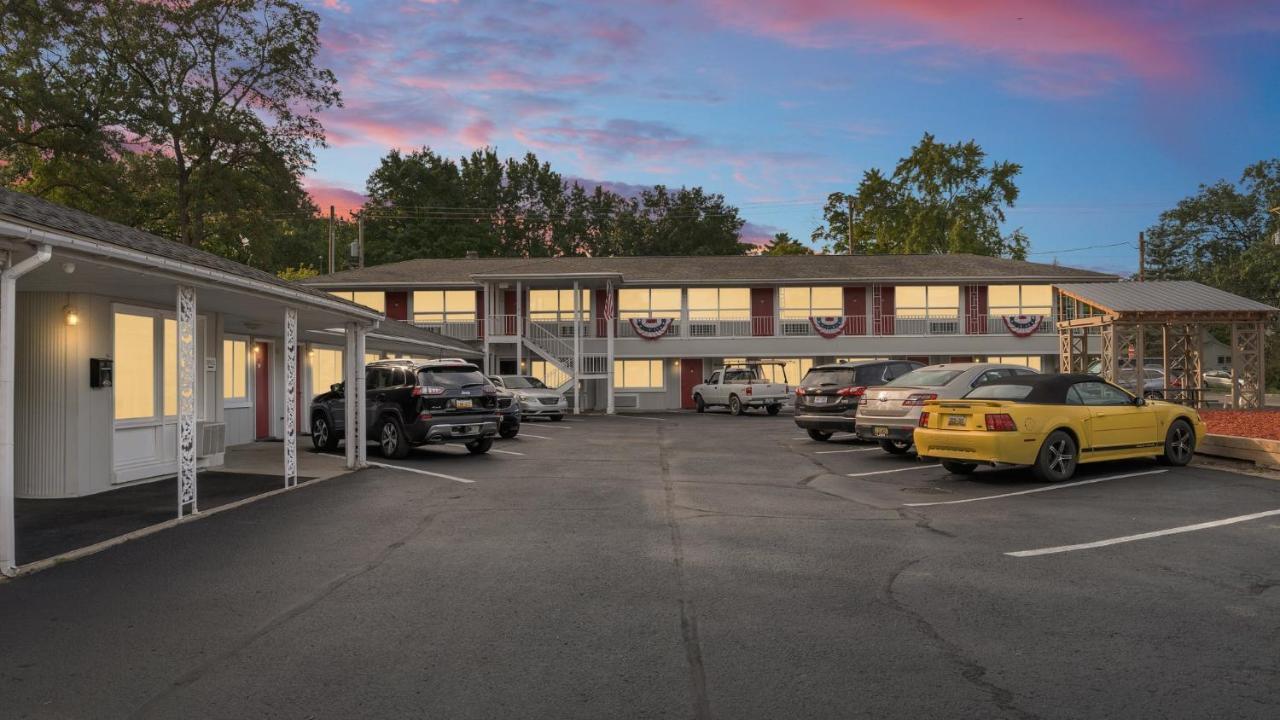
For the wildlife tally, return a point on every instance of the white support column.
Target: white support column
(610, 302)
(187, 399)
(8, 347)
(577, 347)
(519, 328)
(290, 397)
(349, 371)
(362, 448)
(486, 303)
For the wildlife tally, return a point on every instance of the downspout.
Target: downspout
(8, 328)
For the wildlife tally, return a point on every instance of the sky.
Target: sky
(1115, 110)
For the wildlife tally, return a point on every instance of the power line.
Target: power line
(1082, 249)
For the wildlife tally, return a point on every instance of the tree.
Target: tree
(941, 198)
(1222, 237)
(784, 244)
(218, 99)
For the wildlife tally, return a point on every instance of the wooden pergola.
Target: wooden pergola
(1113, 323)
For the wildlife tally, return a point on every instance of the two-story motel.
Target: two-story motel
(640, 332)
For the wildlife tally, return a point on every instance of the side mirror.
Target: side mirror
(337, 387)
(706, 381)
(1139, 401)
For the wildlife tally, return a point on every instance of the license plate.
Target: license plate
(955, 420)
(462, 404)
(881, 431)
(463, 429)
(819, 400)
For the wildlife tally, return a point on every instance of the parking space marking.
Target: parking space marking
(506, 452)
(1056, 486)
(640, 417)
(1145, 535)
(883, 472)
(828, 452)
(540, 437)
(556, 426)
(420, 472)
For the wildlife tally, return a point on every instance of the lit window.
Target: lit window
(235, 370)
(135, 366)
(804, 302)
(557, 305)
(648, 302)
(326, 369)
(170, 367)
(442, 306)
(719, 303)
(1031, 361)
(1020, 299)
(935, 301)
(638, 375)
(375, 299)
(550, 375)
(788, 373)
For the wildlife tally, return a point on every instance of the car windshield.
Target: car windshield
(1000, 392)
(522, 382)
(829, 377)
(451, 376)
(926, 377)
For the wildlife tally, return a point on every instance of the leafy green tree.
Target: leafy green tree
(784, 244)
(941, 198)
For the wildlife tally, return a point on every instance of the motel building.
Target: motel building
(126, 358)
(637, 333)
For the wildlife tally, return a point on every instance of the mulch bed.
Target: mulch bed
(1263, 424)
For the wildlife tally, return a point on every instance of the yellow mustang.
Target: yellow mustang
(1053, 423)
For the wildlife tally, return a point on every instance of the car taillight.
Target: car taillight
(924, 419)
(427, 390)
(856, 391)
(799, 391)
(424, 416)
(919, 398)
(1175, 383)
(1001, 422)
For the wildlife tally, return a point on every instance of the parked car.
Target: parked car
(1220, 379)
(739, 387)
(1153, 386)
(509, 414)
(533, 396)
(1053, 423)
(827, 398)
(414, 402)
(889, 414)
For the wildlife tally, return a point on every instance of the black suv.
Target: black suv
(414, 402)
(827, 397)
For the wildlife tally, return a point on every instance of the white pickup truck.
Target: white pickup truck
(739, 387)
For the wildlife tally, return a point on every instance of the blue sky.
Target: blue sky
(1115, 110)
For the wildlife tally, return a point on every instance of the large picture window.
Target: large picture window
(235, 371)
(134, 384)
(375, 299)
(789, 372)
(442, 306)
(638, 375)
(934, 301)
(557, 305)
(1020, 299)
(799, 303)
(1032, 361)
(550, 375)
(326, 369)
(719, 303)
(648, 302)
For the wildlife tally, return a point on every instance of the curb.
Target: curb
(1265, 453)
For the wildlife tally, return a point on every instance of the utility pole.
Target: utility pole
(849, 225)
(360, 238)
(332, 239)
(1142, 256)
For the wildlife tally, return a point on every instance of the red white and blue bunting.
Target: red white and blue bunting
(1023, 325)
(828, 326)
(651, 328)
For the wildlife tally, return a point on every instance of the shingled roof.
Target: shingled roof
(426, 272)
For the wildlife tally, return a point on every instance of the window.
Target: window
(926, 378)
(378, 378)
(638, 374)
(135, 366)
(557, 305)
(1020, 299)
(326, 369)
(648, 302)
(788, 373)
(1031, 361)
(375, 299)
(804, 302)
(935, 301)
(549, 374)
(719, 303)
(235, 366)
(442, 306)
(715, 378)
(1003, 392)
(170, 367)
(1097, 393)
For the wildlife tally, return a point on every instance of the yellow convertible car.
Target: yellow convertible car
(1052, 423)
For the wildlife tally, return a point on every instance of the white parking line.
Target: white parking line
(555, 426)
(506, 452)
(828, 452)
(1039, 489)
(420, 472)
(640, 417)
(882, 472)
(540, 437)
(1145, 535)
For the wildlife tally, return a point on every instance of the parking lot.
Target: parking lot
(676, 565)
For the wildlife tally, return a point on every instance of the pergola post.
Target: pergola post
(1247, 373)
(187, 494)
(1110, 364)
(290, 397)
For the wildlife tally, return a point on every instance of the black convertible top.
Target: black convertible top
(1045, 389)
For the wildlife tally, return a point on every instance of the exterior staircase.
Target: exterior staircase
(548, 345)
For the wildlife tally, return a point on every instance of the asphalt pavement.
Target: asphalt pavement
(674, 565)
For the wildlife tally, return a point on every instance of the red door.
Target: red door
(761, 311)
(398, 305)
(690, 375)
(509, 308)
(855, 311)
(262, 389)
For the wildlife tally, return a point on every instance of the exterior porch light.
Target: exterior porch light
(70, 315)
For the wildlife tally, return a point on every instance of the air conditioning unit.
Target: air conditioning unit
(566, 331)
(795, 327)
(211, 438)
(697, 329)
(626, 401)
(944, 327)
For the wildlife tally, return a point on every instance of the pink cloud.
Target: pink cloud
(323, 195)
(478, 133)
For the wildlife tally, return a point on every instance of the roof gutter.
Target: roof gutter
(92, 247)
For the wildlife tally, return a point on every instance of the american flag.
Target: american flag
(608, 301)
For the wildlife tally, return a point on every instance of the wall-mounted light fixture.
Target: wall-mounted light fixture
(70, 315)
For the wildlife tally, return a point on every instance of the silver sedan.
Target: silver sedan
(535, 398)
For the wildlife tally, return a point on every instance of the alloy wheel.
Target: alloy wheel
(1180, 444)
(320, 431)
(1060, 456)
(390, 438)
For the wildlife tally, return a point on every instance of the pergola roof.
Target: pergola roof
(1172, 297)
